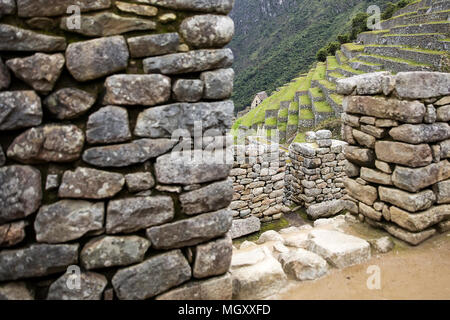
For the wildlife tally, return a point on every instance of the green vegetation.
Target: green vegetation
(294, 106)
(320, 72)
(327, 84)
(300, 138)
(391, 8)
(410, 62)
(306, 114)
(305, 100)
(271, 122)
(322, 107)
(293, 120)
(316, 92)
(283, 113)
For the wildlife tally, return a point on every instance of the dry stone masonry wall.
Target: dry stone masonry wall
(398, 168)
(89, 175)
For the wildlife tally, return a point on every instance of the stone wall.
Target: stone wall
(316, 172)
(89, 106)
(399, 135)
(258, 181)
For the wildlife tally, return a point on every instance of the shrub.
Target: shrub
(322, 55)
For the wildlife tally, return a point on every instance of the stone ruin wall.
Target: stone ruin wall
(258, 176)
(87, 177)
(316, 171)
(398, 132)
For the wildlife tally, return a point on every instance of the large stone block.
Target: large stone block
(19, 109)
(132, 214)
(69, 103)
(164, 121)
(303, 265)
(364, 139)
(45, 8)
(88, 183)
(190, 231)
(412, 202)
(152, 277)
(375, 176)
(421, 133)
(217, 6)
(192, 61)
(325, 209)
(133, 89)
(369, 212)
(218, 288)
(37, 260)
(422, 85)
(422, 220)
(92, 59)
(180, 168)
(207, 31)
(243, 227)
(405, 154)
(213, 258)
(108, 125)
(442, 190)
(105, 252)
(49, 143)
(91, 287)
(385, 108)
(370, 84)
(218, 84)
(360, 156)
(339, 249)
(12, 233)
(17, 39)
(153, 45)
(366, 194)
(413, 180)
(210, 198)
(20, 192)
(68, 220)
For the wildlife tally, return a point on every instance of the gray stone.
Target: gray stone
(414, 180)
(49, 143)
(105, 24)
(385, 108)
(303, 265)
(52, 182)
(132, 214)
(442, 191)
(364, 84)
(108, 125)
(37, 260)
(7, 7)
(5, 76)
(364, 139)
(375, 176)
(68, 220)
(243, 227)
(369, 212)
(213, 197)
(152, 277)
(443, 226)
(422, 85)
(40, 71)
(382, 245)
(106, 252)
(269, 236)
(413, 238)
(15, 290)
(89, 183)
(420, 221)
(92, 286)
(69, 103)
(431, 115)
(187, 90)
(207, 31)
(445, 149)
(213, 258)
(323, 134)
(180, 168)
(2, 157)
(133, 89)
(339, 249)
(190, 231)
(139, 181)
(325, 209)
(188, 62)
(404, 154)
(218, 84)
(20, 192)
(360, 156)
(41, 8)
(162, 122)
(93, 59)
(421, 133)
(216, 6)
(383, 166)
(218, 288)
(124, 155)
(17, 39)
(352, 170)
(12, 233)
(412, 202)
(366, 194)
(19, 109)
(139, 9)
(443, 114)
(153, 45)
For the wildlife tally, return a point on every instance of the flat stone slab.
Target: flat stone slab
(243, 227)
(339, 249)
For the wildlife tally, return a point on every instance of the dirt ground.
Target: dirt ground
(407, 273)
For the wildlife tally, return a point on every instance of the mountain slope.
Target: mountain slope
(278, 39)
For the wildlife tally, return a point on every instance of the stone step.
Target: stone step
(395, 64)
(371, 37)
(327, 87)
(340, 57)
(335, 76)
(335, 101)
(415, 18)
(351, 50)
(322, 111)
(304, 102)
(348, 71)
(365, 66)
(440, 6)
(430, 41)
(430, 27)
(438, 59)
(413, 7)
(315, 94)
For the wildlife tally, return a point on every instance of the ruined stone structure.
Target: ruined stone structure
(258, 181)
(89, 106)
(316, 171)
(399, 135)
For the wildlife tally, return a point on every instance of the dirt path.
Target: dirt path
(406, 273)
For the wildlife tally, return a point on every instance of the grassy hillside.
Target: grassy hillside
(277, 40)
